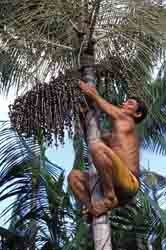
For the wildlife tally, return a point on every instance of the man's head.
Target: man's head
(136, 108)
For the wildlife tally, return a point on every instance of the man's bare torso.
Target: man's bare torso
(123, 140)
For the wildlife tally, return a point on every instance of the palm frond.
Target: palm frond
(45, 36)
(24, 177)
(128, 42)
(148, 228)
(152, 130)
(10, 240)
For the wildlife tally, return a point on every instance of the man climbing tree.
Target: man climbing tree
(115, 156)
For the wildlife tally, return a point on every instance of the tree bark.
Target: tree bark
(100, 225)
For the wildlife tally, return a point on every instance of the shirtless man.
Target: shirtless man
(115, 156)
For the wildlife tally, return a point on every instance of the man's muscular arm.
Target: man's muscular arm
(111, 110)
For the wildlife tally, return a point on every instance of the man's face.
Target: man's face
(130, 106)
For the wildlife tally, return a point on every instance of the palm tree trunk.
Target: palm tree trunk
(100, 225)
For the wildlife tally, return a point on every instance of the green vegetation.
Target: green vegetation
(42, 48)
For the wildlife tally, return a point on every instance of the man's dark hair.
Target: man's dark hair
(142, 108)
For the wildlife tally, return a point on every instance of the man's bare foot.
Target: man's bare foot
(100, 207)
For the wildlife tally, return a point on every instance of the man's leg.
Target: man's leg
(78, 182)
(104, 165)
(93, 135)
(113, 173)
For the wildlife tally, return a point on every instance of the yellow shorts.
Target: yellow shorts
(125, 182)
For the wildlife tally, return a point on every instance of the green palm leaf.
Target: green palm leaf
(45, 35)
(29, 179)
(141, 221)
(51, 38)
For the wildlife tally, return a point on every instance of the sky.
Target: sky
(64, 155)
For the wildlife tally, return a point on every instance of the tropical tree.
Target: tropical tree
(123, 40)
